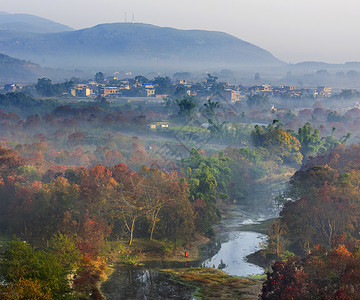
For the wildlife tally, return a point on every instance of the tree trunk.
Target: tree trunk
(152, 229)
(154, 220)
(132, 231)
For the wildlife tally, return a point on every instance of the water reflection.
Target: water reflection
(228, 252)
(137, 283)
(231, 257)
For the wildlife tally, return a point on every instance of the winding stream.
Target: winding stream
(228, 252)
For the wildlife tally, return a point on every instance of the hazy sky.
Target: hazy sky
(292, 30)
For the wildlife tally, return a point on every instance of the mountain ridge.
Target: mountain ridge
(131, 43)
(30, 23)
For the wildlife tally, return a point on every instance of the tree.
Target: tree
(257, 100)
(186, 106)
(282, 282)
(10, 161)
(163, 85)
(141, 79)
(279, 142)
(324, 274)
(202, 185)
(176, 219)
(23, 262)
(128, 202)
(210, 108)
(157, 187)
(24, 289)
(211, 79)
(347, 94)
(96, 189)
(66, 251)
(99, 77)
(309, 140)
(216, 129)
(276, 235)
(45, 87)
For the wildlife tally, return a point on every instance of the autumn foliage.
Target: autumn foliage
(323, 224)
(86, 204)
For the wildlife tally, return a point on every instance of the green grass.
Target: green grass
(189, 129)
(215, 284)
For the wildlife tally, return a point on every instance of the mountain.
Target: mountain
(13, 70)
(29, 23)
(16, 70)
(136, 45)
(311, 66)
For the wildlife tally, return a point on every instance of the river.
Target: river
(227, 252)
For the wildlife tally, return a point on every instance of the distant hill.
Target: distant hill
(316, 65)
(29, 23)
(13, 70)
(130, 45)
(16, 70)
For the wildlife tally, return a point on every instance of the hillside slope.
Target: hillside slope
(29, 23)
(128, 44)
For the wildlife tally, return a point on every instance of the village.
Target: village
(163, 87)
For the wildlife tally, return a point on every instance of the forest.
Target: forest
(78, 177)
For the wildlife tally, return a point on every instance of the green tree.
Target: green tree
(45, 87)
(141, 79)
(211, 107)
(99, 77)
(257, 100)
(279, 142)
(309, 140)
(163, 85)
(347, 94)
(211, 79)
(187, 106)
(330, 142)
(48, 266)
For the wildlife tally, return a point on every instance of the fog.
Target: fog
(293, 31)
(127, 148)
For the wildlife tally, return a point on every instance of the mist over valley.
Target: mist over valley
(148, 162)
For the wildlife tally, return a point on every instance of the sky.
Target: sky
(292, 30)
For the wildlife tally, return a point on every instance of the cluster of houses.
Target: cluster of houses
(232, 93)
(135, 87)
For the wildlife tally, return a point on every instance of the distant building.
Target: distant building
(232, 96)
(191, 93)
(108, 90)
(236, 96)
(86, 92)
(150, 92)
(11, 88)
(149, 86)
(81, 85)
(124, 85)
(184, 83)
(266, 88)
(93, 83)
(162, 95)
(255, 89)
(324, 91)
(309, 93)
(82, 92)
(159, 125)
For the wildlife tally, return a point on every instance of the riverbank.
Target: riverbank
(141, 251)
(212, 283)
(144, 250)
(238, 234)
